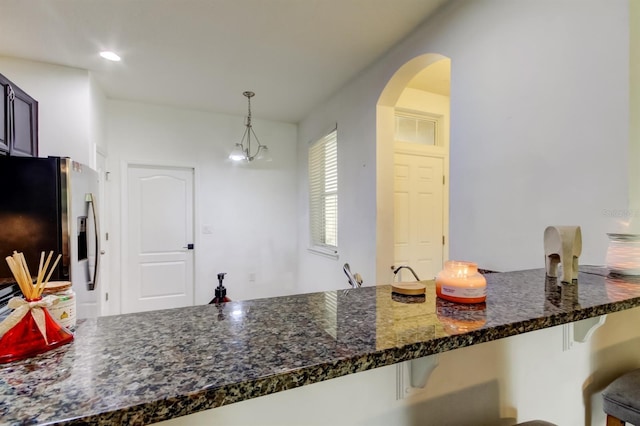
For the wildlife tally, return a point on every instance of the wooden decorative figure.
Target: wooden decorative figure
(562, 245)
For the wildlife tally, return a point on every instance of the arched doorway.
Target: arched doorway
(412, 169)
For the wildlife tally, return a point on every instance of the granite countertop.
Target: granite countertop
(146, 367)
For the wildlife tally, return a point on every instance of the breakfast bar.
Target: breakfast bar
(148, 367)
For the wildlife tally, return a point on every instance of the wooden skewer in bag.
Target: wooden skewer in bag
(18, 265)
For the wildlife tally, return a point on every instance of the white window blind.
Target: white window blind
(323, 192)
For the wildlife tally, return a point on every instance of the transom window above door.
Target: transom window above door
(417, 128)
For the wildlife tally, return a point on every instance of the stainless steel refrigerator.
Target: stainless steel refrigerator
(49, 204)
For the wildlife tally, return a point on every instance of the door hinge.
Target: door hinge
(443, 179)
(106, 297)
(106, 236)
(443, 240)
(107, 175)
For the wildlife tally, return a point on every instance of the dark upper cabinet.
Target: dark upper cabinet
(18, 121)
(25, 125)
(4, 114)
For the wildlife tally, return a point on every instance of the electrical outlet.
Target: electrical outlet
(207, 229)
(252, 277)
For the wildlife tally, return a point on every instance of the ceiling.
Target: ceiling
(202, 54)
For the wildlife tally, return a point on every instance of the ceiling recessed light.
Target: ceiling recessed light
(111, 56)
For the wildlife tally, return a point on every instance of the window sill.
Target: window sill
(324, 251)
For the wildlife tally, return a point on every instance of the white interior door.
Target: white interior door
(159, 272)
(418, 214)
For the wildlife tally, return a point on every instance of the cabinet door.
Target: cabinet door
(24, 140)
(4, 114)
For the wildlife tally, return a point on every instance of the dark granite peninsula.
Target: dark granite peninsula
(146, 367)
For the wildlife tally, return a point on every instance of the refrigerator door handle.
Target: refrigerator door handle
(91, 285)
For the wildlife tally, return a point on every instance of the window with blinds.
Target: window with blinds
(323, 193)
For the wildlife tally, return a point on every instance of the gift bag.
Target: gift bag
(30, 329)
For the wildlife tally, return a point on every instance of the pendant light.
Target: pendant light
(242, 150)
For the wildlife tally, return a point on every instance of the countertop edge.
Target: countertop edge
(181, 405)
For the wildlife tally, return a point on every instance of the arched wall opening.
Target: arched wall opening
(385, 152)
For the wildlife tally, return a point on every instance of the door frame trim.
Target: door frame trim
(103, 207)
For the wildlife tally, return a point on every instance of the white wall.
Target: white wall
(97, 120)
(520, 108)
(632, 215)
(356, 183)
(251, 208)
(64, 106)
(536, 139)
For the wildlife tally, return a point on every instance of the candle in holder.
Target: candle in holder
(623, 254)
(461, 282)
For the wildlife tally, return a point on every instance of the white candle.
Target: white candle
(461, 282)
(623, 254)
